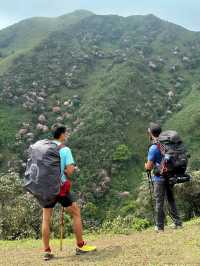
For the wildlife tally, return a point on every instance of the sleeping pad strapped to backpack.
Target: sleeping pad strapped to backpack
(42, 176)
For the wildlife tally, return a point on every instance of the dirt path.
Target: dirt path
(181, 247)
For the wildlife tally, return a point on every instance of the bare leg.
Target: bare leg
(74, 211)
(47, 214)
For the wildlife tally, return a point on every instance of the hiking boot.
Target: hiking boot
(158, 230)
(176, 226)
(48, 255)
(85, 249)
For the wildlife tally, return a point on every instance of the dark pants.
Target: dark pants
(163, 190)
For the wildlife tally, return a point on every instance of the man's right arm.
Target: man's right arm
(67, 161)
(149, 165)
(69, 170)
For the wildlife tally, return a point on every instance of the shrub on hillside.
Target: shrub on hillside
(20, 212)
(124, 225)
(122, 153)
(187, 195)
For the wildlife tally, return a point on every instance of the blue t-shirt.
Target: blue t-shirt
(155, 156)
(66, 158)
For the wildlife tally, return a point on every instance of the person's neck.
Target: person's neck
(154, 140)
(59, 140)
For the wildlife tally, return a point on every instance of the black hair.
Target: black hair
(58, 130)
(155, 129)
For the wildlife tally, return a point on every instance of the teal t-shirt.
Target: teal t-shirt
(66, 158)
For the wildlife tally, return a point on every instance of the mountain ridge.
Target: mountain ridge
(105, 78)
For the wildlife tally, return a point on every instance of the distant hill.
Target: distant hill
(106, 78)
(28, 33)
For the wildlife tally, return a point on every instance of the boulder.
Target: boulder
(152, 65)
(171, 94)
(124, 194)
(173, 68)
(102, 173)
(29, 140)
(43, 94)
(35, 83)
(42, 118)
(39, 127)
(59, 119)
(179, 106)
(26, 125)
(45, 129)
(40, 99)
(180, 79)
(177, 85)
(23, 131)
(56, 109)
(185, 59)
(30, 135)
(169, 112)
(67, 103)
(67, 115)
(106, 180)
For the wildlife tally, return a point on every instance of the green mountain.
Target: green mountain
(28, 33)
(106, 78)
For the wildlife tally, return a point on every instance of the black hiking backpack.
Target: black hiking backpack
(42, 176)
(174, 157)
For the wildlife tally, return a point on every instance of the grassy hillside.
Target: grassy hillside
(144, 248)
(27, 34)
(187, 123)
(106, 78)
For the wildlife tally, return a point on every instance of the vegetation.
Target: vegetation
(138, 248)
(105, 78)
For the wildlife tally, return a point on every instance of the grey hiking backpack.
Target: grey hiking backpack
(42, 176)
(175, 157)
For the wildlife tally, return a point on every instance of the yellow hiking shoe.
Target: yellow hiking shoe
(85, 249)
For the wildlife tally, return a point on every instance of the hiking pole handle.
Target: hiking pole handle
(148, 173)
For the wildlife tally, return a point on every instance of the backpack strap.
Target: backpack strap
(60, 146)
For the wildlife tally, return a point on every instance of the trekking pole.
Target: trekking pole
(151, 196)
(61, 227)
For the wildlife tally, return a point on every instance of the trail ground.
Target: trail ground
(173, 247)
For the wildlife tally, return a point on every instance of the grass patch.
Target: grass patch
(180, 247)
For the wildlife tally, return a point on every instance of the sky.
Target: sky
(182, 12)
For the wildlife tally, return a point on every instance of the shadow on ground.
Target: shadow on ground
(98, 255)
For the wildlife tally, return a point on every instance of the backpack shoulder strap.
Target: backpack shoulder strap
(60, 146)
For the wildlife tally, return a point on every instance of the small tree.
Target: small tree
(122, 153)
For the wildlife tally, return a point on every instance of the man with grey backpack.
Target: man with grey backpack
(167, 158)
(49, 168)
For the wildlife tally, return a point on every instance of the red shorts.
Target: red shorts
(65, 188)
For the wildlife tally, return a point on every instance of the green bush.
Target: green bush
(90, 210)
(128, 209)
(21, 215)
(140, 224)
(124, 225)
(119, 225)
(122, 153)
(187, 196)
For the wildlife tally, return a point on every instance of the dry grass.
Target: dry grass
(180, 247)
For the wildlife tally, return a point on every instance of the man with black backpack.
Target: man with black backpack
(161, 179)
(49, 167)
